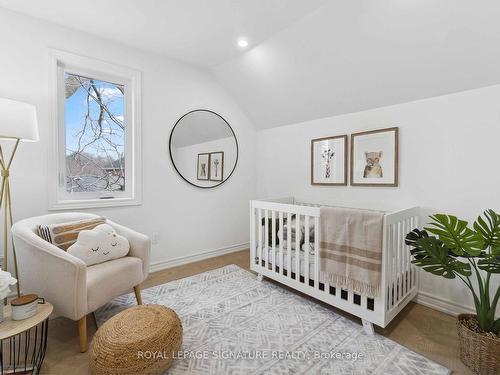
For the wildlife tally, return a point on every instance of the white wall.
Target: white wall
(186, 158)
(449, 152)
(189, 220)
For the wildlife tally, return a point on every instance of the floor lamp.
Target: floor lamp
(18, 123)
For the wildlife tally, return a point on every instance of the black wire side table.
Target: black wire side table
(23, 343)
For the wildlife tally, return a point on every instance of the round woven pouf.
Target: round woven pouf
(140, 340)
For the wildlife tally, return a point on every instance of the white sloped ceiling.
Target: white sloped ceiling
(307, 59)
(200, 32)
(353, 55)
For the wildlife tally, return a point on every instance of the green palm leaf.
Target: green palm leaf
(431, 254)
(456, 235)
(489, 230)
(490, 264)
(454, 241)
(416, 234)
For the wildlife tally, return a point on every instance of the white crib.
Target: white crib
(272, 258)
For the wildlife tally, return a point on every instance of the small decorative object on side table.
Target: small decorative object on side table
(6, 280)
(23, 342)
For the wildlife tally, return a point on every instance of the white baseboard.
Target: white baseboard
(168, 263)
(442, 304)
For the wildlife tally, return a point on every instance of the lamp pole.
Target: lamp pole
(5, 201)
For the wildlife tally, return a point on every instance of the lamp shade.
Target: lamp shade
(18, 120)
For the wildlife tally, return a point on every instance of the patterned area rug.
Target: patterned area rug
(234, 324)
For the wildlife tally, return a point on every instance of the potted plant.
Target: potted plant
(473, 255)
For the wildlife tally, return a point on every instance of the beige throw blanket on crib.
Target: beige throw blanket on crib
(351, 249)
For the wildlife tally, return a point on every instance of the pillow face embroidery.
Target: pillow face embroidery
(99, 245)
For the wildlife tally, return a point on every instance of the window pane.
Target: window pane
(95, 135)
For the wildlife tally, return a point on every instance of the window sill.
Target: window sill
(93, 203)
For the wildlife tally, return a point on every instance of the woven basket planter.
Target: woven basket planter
(139, 340)
(478, 352)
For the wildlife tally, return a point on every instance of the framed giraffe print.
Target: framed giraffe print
(329, 161)
(203, 168)
(374, 158)
(216, 166)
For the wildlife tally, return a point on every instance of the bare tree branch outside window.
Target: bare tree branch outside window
(95, 135)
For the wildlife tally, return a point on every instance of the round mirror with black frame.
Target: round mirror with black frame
(203, 148)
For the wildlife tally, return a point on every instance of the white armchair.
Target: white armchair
(74, 289)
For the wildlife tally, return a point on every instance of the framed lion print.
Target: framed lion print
(374, 158)
(329, 160)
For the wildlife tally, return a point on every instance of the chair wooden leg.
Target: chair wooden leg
(82, 329)
(138, 297)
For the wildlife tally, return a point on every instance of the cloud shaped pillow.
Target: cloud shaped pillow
(99, 245)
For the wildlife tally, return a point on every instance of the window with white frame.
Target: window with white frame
(97, 119)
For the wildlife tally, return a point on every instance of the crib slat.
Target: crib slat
(281, 239)
(259, 225)
(400, 261)
(297, 247)
(388, 268)
(363, 303)
(408, 259)
(273, 240)
(394, 266)
(266, 236)
(306, 249)
(412, 267)
(289, 244)
(405, 251)
(410, 273)
(403, 258)
(396, 274)
(407, 254)
(415, 271)
(316, 252)
(253, 243)
(413, 225)
(396, 243)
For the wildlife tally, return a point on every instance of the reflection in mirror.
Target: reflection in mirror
(203, 148)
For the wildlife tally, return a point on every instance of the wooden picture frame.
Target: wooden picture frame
(216, 174)
(203, 175)
(339, 160)
(380, 152)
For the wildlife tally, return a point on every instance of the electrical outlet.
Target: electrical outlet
(155, 238)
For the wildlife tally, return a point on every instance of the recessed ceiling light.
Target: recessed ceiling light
(242, 43)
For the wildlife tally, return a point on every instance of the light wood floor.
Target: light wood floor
(419, 328)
